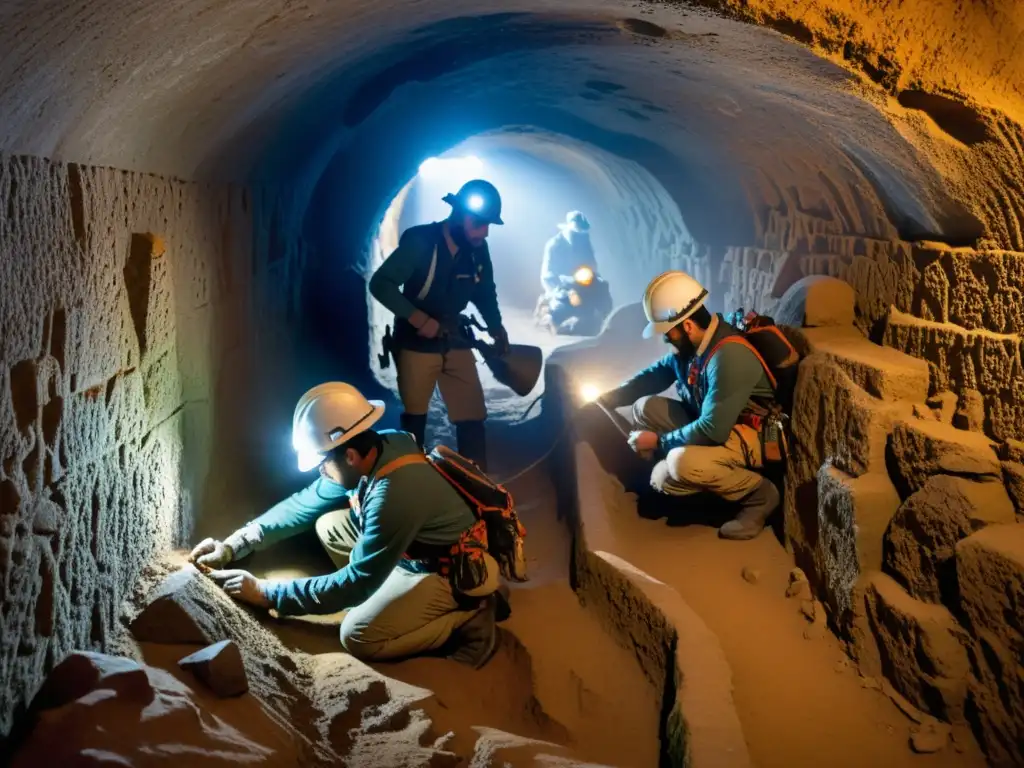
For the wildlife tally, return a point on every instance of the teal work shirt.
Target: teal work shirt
(412, 504)
(732, 378)
(423, 274)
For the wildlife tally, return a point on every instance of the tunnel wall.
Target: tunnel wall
(960, 309)
(123, 298)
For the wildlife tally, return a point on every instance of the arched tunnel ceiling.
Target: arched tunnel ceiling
(275, 89)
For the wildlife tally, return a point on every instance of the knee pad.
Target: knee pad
(416, 425)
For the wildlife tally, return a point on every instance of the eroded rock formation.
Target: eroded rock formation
(906, 526)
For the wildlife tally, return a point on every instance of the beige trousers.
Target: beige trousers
(719, 469)
(453, 373)
(410, 613)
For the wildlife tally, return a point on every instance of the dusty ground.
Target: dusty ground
(798, 699)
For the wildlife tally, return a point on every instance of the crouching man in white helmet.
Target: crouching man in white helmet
(385, 516)
(704, 441)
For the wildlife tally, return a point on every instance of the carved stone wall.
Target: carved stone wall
(121, 295)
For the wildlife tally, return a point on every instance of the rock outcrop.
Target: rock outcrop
(990, 571)
(220, 668)
(902, 510)
(922, 537)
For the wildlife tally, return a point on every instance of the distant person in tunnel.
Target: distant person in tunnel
(412, 572)
(712, 438)
(576, 299)
(436, 271)
(567, 252)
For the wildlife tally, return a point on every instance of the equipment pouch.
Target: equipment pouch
(468, 569)
(774, 447)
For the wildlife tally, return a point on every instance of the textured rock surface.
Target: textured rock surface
(922, 538)
(920, 449)
(96, 709)
(923, 650)
(220, 668)
(880, 371)
(990, 569)
(111, 291)
(853, 514)
(816, 300)
(670, 641)
(833, 421)
(960, 359)
(1013, 478)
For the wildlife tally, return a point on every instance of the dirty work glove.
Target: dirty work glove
(242, 586)
(425, 325)
(644, 443)
(210, 553)
(500, 336)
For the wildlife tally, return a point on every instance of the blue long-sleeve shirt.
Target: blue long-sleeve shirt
(423, 274)
(414, 503)
(732, 377)
(563, 258)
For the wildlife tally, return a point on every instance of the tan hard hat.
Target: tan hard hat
(670, 298)
(327, 416)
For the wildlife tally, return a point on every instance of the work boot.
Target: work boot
(416, 425)
(755, 509)
(472, 441)
(476, 641)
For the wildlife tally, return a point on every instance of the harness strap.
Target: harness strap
(430, 277)
(793, 355)
(748, 345)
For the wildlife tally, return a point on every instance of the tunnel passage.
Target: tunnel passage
(140, 390)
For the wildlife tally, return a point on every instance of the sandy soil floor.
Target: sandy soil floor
(557, 676)
(800, 702)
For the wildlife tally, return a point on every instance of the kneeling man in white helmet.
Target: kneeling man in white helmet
(708, 439)
(387, 518)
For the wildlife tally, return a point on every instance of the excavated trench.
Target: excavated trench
(192, 196)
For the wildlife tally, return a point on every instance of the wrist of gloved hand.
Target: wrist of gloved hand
(244, 541)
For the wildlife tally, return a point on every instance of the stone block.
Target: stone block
(958, 358)
(170, 616)
(944, 405)
(835, 419)
(817, 300)
(970, 412)
(922, 537)
(853, 514)
(882, 372)
(990, 569)
(919, 449)
(922, 648)
(1013, 479)
(220, 668)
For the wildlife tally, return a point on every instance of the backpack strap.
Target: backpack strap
(737, 339)
(401, 461)
(793, 356)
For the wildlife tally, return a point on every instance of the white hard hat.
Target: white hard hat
(670, 298)
(327, 416)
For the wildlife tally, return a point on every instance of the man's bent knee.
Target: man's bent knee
(353, 640)
(646, 412)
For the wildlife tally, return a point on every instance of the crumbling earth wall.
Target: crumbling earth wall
(121, 297)
(905, 516)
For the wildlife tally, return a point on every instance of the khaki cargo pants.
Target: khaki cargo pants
(410, 613)
(454, 373)
(725, 470)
